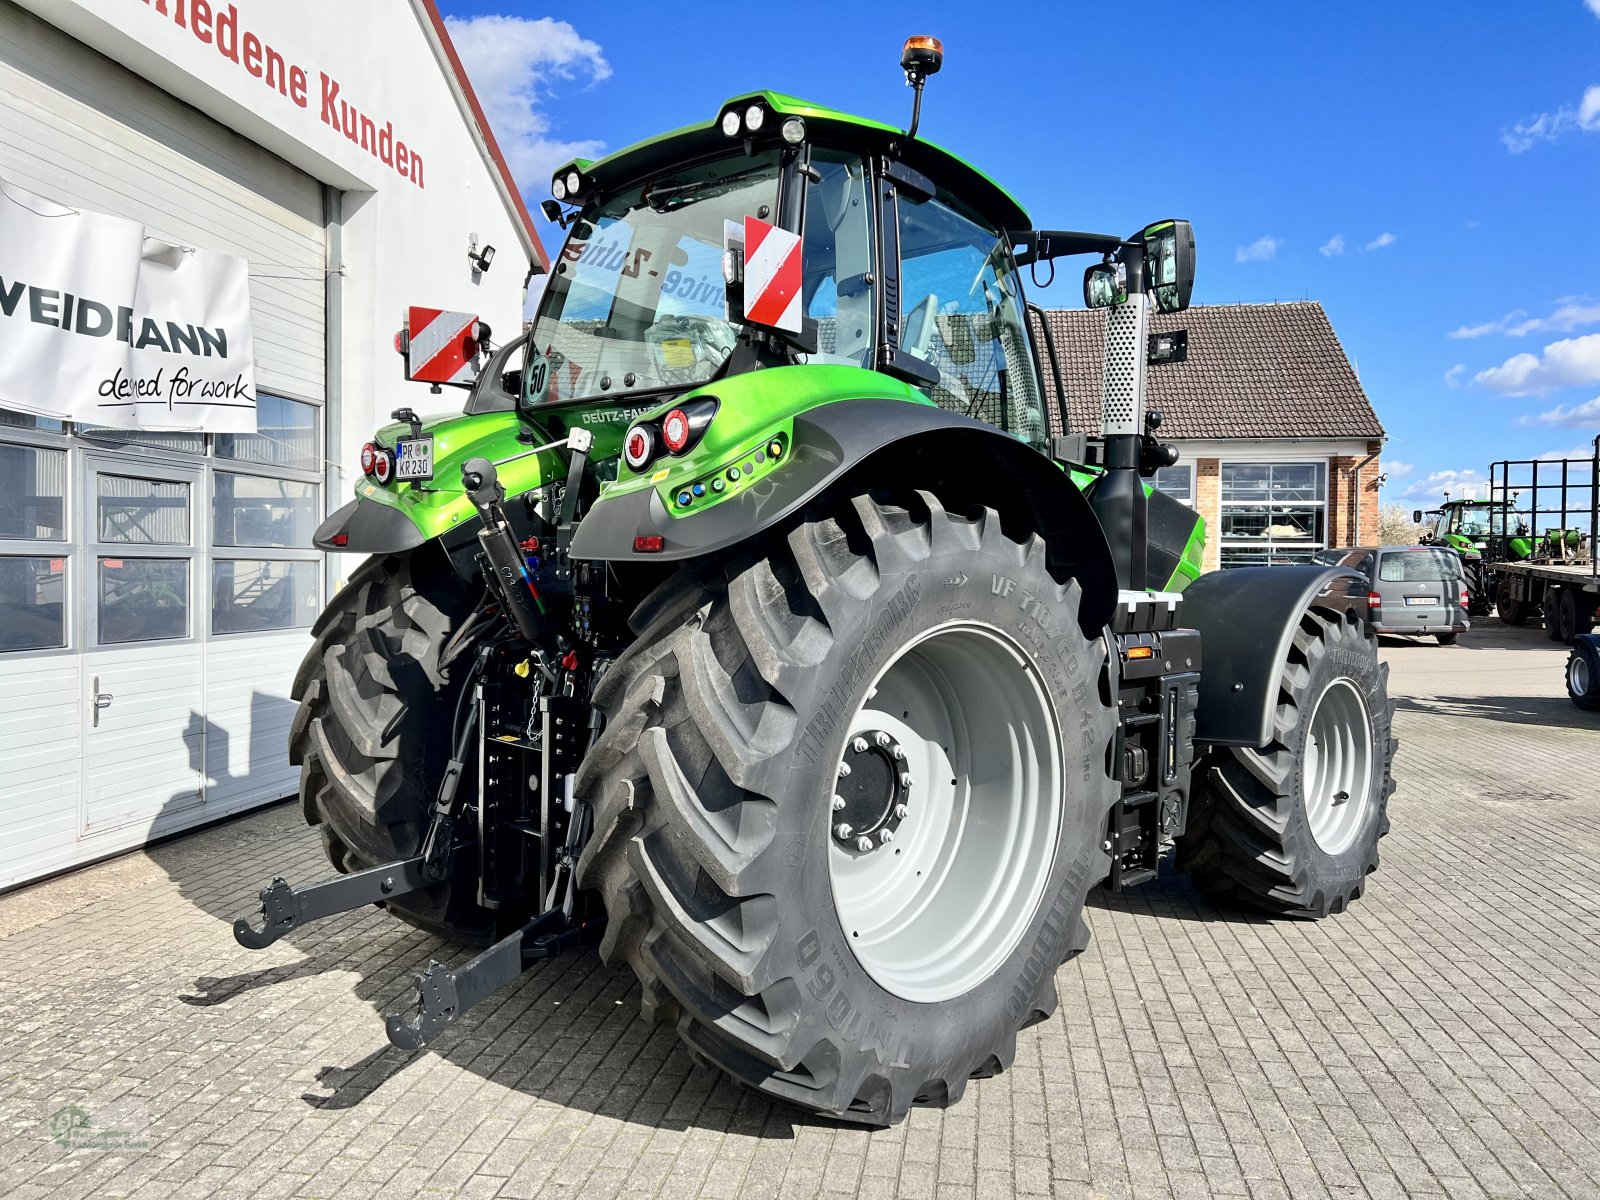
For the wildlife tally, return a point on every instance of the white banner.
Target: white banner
(100, 323)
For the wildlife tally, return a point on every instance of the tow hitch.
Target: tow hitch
(285, 908)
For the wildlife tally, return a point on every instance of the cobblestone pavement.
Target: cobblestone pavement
(1442, 1038)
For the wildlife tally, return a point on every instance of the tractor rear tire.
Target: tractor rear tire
(823, 968)
(373, 731)
(1583, 673)
(1293, 828)
(1507, 606)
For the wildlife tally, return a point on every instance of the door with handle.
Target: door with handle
(142, 603)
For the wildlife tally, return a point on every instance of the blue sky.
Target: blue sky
(1429, 172)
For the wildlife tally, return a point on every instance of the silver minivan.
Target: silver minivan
(1410, 589)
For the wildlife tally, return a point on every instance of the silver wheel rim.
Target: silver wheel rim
(1578, 676)
(934, 909)
(1336, 771)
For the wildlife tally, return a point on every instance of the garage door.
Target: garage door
(154, 592)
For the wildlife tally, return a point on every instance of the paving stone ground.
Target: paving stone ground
(1440, 1039)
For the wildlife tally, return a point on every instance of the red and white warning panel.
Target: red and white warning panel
(440, 346)
(771, 275)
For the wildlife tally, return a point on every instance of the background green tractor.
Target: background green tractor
(1482, 532)
(751, 623)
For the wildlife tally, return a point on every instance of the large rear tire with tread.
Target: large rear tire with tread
(372, 734)
(716, 846)
(1268, 828)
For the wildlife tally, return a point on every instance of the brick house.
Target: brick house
(1280, 445)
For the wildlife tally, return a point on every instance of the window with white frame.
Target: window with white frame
(251, 513)
(1272, 512)
(1176, 481)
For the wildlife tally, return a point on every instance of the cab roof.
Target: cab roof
(826, 126)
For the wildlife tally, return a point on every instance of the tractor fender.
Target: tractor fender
(368, 528)
(879, 442)
(1247, 618)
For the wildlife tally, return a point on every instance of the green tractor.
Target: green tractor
(1483, 532)
(750, 624)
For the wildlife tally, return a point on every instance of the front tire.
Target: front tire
(787, 958)
(1293, 828)
(1583, 673)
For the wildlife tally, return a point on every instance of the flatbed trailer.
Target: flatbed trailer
(1554, 504)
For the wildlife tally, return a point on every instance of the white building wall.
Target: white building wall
(405, 236)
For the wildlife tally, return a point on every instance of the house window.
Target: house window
(1272, 512)
(1177, 482)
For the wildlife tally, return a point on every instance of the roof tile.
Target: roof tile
(1254, 371)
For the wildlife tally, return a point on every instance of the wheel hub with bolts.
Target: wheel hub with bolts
(873, 792)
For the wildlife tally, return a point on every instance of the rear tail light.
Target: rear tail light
(675, 431)
(369, 456)
(638, 447)
(1374, 600)
(1463, 597)
(382, 464)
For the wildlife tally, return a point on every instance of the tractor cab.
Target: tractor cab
(783, 233)
(1476, 529)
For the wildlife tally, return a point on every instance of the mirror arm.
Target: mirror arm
(1041, 245)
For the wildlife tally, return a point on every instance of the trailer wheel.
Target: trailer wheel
(1293, 828)
(1554, 616)
(1569, 616)
(372, 734)
(1583, 673)
(852, 791)
(1510, 609)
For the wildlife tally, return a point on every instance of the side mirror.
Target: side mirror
(1416, 516)
(1105, 285)
(1169, 263)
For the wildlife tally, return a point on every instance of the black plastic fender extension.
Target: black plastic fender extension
(877, 440)
(368, 528)
(1247, 617)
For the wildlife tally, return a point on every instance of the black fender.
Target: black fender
(1247, 617)
(884, 442)
(365, 527)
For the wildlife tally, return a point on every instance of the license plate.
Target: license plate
(1420, 600)
(413, 458)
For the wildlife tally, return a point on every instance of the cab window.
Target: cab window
(961, 312)
(836, 258)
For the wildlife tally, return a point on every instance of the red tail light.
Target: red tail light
(382, 465)
(369, 454)
(1463, 597)
(649, 544)
(638, 447)
(1374, 600)
(675, 430)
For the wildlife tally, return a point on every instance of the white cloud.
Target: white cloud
(1394, 468)
(1594, 6)
(513, 63)
(1452, 377)
(1569, 416)
(1383, 239)
(1547, 127)
(1569, 314)
(1585, 451)
(1428, 492)
(1571, 362)
(1260, 250)
(1335, 244)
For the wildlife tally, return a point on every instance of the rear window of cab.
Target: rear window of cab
(1416, 566)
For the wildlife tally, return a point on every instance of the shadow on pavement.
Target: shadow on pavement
(1519, 710)
(568, 1031)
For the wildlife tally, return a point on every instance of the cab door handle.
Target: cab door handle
(98, 701)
